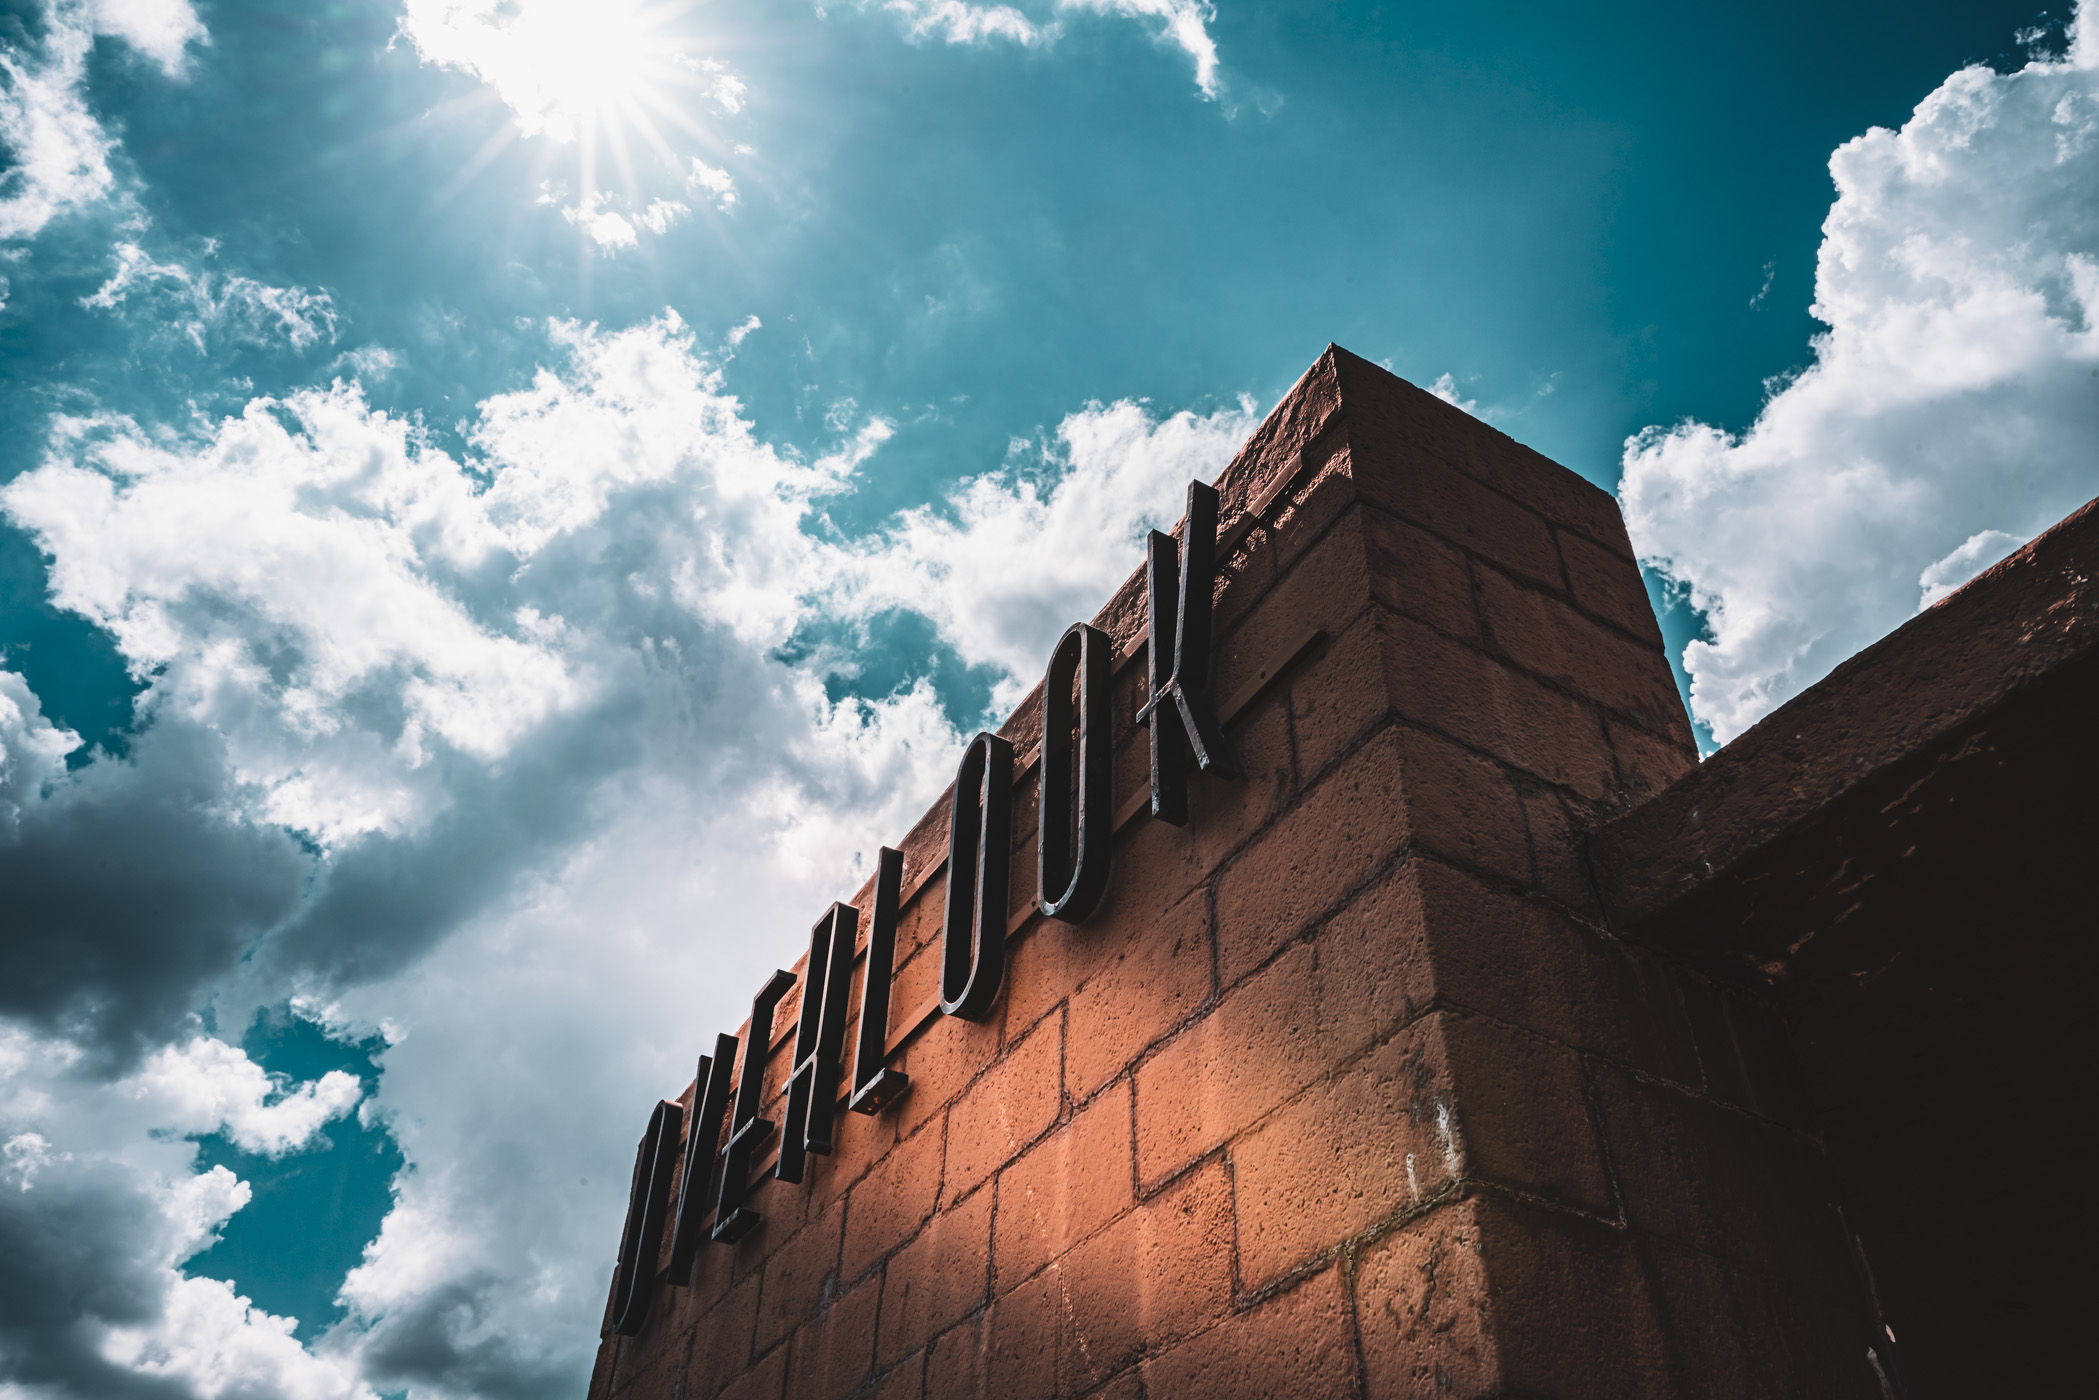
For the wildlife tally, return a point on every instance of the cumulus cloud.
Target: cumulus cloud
(1950, 408)
(100, 1206)
(1014, 557)
(200, 306)
(713, 183)
(497, 751)
(1185, 24)
(59, 151)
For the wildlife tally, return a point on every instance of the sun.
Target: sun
(614, 79)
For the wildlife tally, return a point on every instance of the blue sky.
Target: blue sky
(502, 507)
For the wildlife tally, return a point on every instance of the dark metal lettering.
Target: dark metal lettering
(812, 1087)
(1183, 720)
(747, 1131)
(710, 1100)
(979, 864)
(1075, 825)
(648, 1200)
(875, 1085)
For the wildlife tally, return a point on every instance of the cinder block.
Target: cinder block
(1366, 1145)
(1462, 807)
(834, 1351)
(1311, 857)
(895, 1198)
(797, 1274)
(1485, 1297)
(1423, 1310)
(1492, 707)
(1455, 507)
(1706, 1176)
(721, 1343)
(767, 1380)
(1021, 1347)
(1338, 696)
(945, 1058)
(955, 1363)
(932, 1282)
(1524, 963)
(1243, 1060)
(1159, 1273)
(1298, 1345)
(1132, 984)
(906, 1380)
(1544, 635)
(1012, 1105)
(1419, 576)
(1374, 968)
(1607, 586)
(1065, 1188)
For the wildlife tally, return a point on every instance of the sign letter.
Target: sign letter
(710, 1099)
(979, 861)
(812, 1090)
(875, 1085)
(647, 1201)
(1075, 833)
(747, 1131)
(1183, 722)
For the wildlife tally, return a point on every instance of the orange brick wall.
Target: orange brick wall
(1346, 1090)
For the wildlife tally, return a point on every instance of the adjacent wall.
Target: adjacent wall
(1347, 1090)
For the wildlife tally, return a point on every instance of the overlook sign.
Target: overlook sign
(1370, 995)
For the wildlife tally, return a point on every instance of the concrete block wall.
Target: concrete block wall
(1346, 1090)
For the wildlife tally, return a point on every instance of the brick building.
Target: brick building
(1473, 1040)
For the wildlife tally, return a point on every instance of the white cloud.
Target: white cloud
(214, 1343)
(1182, 23)
(32, 749)
(1446, 389)
(59, 150)
(199, 305)
(208, 1085)
(1950, 410)
(532, 704)
(608, 230)
(107, 1205)
(162, 30)
(712, 181)
(1012, 560)
(956, 22)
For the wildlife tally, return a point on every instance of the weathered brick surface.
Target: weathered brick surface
(1159, 1273)
(835, 1351)
(797, 1275)
(1014, 1103)
(1135, 983)
(1298, 1345)
(894, 1199)
(1065, 1188)
(1309, 860)
(1347, 1089)
(1230, 1069)
(937, 1278)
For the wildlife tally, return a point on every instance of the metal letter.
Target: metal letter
(1072, 848)
(648, 1199)
(747, 1131)
(710, 1099)
(1177, 596)
(979, 862)
(875, 1085)
(812, 1087)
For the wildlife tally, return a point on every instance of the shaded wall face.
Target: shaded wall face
(1344, 1090)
